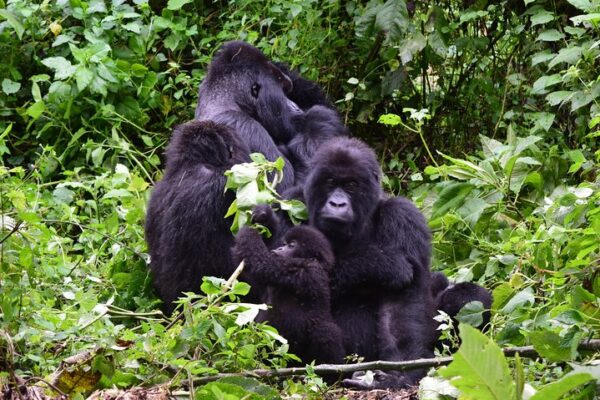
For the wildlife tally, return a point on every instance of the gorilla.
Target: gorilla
(380, 283)
(187, 235)
(451, 298)
(246, 91)
(297, 288)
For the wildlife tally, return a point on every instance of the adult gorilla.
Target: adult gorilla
(380, 283)
(187, 235)
(244, 90)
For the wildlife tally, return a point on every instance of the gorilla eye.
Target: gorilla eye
(330, 181)
(351, 185)
(254, 90)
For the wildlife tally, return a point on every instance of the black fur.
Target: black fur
(453, 298)
(297, 287)
(244, 90)
(305, 93)
(186, 233)
(381, 296)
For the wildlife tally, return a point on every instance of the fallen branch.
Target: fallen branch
(333, 369)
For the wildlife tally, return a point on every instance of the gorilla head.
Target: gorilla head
(343, 188)
(306, 242)
(204, 142)
(241, 78)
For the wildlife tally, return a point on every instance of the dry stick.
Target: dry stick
(331, 369)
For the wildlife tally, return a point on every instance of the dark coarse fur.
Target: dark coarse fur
(187, 235)
(381, 297)
(304, 93)
(244, 90)
(454, 297)
(297, 287)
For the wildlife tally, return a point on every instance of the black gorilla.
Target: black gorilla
(244, 90)
(451, 298)
(380, 283)
(297, 288)
(187, 235)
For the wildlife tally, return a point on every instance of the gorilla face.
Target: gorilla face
(306, 242)
(241, 78)
(343, 190)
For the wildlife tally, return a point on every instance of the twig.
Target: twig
(332, 369)
(12, 231)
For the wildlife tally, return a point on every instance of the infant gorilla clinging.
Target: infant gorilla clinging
(297, 282)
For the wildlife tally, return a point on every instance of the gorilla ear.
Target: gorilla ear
(284, 80)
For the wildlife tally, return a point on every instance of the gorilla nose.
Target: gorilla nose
(335, 203)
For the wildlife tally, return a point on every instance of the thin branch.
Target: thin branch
(333, 369)
(12, 231)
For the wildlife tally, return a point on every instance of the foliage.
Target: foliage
(252, 184)
(486, 114)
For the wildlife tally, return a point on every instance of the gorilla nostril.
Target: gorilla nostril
(337, 204)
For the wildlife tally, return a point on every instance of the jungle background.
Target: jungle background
(485, 114)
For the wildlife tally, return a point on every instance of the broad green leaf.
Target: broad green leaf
(549, 345)
(570, 55)
(62, 67)
(177, 4)
(471, 313)
(545, 81)
(10, 87)
(541, 57)
(592, 18)
(247, 195)
(541, 17)
(411, 46)
(559, 97)
(584, 5)
(521, 299)
(551, 35)
(544, 120)
(13, 21)
(451, 196)
(556, 390)
(479, 369)
(580, 99)
(84, 77)
(392, 18)
(472, 209)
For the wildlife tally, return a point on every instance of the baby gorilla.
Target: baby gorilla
(297, 282)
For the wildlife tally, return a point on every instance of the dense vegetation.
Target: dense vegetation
(486, 114)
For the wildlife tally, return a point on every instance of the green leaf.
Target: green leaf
(556, 390)
(543, 120)
(411, 46)
(541, 17)
(177, 4)
(551, 35)
(36, 109)
(13, 21)
(62, 67)
(570, 55)
(545, 81)
(84, 77)
(521, 299)
(389, 119)
(392, 19)
(10, 87)
(452, 196)
(479, 369)
(549, 345)
(541, 57)
(559, 97)
(580, 99)
(584, 5)
(471, 313)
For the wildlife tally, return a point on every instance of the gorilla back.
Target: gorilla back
(187, 236)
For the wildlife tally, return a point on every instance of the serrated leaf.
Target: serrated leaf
(545, 81)
(558, 97)
(551, 35)
(584, 5)
(541, 57)
(521, 299)
(580, 99)
(471, 313)
(62, 67)
(389, 119)
(570, 55)
(479, 369)
(84, 77)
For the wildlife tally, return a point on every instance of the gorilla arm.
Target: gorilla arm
(400, 246)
